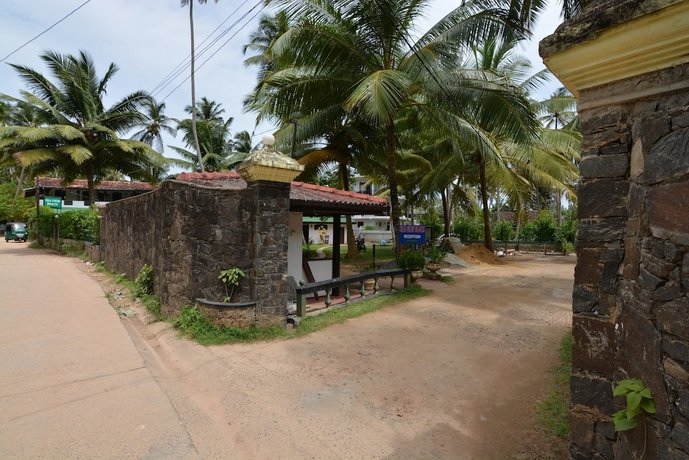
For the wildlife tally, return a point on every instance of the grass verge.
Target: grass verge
(192, 323)
(150, 301)
(552, 414)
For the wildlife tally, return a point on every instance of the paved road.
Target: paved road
(72, 382)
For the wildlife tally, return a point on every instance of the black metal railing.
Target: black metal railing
(345, 282)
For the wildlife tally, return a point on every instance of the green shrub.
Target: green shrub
(503, 230)
(468, 229)
(545, 227)
(412, 260)
(143, 284)
(527, 232)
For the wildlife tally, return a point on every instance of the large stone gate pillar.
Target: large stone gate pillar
(269, 175)
(627, 62)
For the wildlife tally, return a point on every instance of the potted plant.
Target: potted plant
(230, 279)
(413, 261)
(436, 256)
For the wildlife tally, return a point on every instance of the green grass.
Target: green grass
(149, 301)
(552, 414)
(192, 323)
(447, 279)
(382, 252)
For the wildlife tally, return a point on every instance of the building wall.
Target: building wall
(189, 233)
(631, 310)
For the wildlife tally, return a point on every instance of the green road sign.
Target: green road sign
(54, 202)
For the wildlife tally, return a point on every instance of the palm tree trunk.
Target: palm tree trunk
(392, 182)
(446, 211)
(497, 204)
(487, 234)
(352, 250)
(193, 88)
(20, 182)
(558, 207)
(93, 195)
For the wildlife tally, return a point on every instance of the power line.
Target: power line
(187, 59)
(46, 30)
(221, 46)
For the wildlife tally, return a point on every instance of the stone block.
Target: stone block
(667, 159)
(594, 344)
(685, 271)
(604, 166)
(601, 230)
(600, 119)
(667, 452)
(584, 299)
(632, 259)
(676, 370)
(603, 447)
(581, 427)
(657, 266)
(680, 435)
(603, 198)
(609, 277)
(606, 428)
(592, 392)
(673, 317)
(587, 270)
(648, 280)
(676, 349)
(668, 211)
(680, 120)
(651, 128)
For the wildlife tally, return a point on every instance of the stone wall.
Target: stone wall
(631, 310)
(188, 233)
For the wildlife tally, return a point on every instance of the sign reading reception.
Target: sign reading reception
(412, 234)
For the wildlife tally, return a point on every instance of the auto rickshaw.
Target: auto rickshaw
(16, 231)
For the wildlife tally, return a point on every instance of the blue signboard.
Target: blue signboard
(412, 234)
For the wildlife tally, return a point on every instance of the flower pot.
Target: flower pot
(416, 274)
(433, 267)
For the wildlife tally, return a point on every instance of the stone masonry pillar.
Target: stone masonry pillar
(628, 63)
(269, 174)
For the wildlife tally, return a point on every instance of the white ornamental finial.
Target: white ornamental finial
(268, 140)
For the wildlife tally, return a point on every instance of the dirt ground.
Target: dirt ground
(454, 375)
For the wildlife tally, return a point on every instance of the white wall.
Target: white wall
(294, 246)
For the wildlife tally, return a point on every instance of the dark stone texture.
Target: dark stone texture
(685, 271)
(607, 429)
(673, 317)
(681, 120)
(603, 447)
(592, 392)
(680, 435)
(639, 356)
(676, 349)
(601, 230)
(670, 453)
(189, 234)
(668, 212)
(657, 266)
(587, 270)
(596, 167)
(581, 426)
(667, 159)
(584, 299)
(603, 198)
(593, 349)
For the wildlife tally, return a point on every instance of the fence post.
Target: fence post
(301, 304)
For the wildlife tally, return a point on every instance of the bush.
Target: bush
(80, 224)
(503, 230)
(144, 281)
(412, 260)
(527, 232)
(545, 227)
(468, 229)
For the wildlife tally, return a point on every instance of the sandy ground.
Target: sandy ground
(454, 375)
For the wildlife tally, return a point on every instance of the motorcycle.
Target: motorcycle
(361, 243)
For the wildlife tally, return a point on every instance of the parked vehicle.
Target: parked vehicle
(361, 243)
(16, 231)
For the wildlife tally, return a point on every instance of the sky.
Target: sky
(147, 39)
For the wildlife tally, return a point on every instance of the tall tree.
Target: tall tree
(184, 3)
(359, 56)
(155, 124)
(78, 137)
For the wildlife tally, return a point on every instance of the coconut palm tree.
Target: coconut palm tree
(358, 57)
(214, 137)
(184, 3)
(78, 136)
(242, 142)
(155, 124)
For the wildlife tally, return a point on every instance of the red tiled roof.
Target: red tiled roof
(303, 190)
(306, 196)
(51, 182)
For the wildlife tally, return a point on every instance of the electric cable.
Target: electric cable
(46, 30)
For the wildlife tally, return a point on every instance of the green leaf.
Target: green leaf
(633, 412)
(624, 424)
(648, 406)
(646, 393)
(619, 390)
(633, 400)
